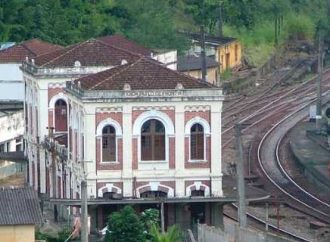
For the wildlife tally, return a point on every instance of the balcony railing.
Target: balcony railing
(30, 67)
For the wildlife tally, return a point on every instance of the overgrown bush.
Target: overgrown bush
(125, 226)
(299, 27)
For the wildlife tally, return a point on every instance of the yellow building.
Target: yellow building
(19, 213)
(192, 65)
(226, 51)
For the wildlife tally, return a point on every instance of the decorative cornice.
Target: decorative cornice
(57, 85)
(204, 108)
(150, 108)
(109, 110)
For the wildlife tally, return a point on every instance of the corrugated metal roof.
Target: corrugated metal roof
(19, 206)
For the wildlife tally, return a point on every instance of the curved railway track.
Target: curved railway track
(274, 102)
(274, 107)
(269, 162)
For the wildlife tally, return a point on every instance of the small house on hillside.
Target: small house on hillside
(19, 213)
(226, 51)
(192, 65)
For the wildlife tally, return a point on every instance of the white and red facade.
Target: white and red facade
(86, 121)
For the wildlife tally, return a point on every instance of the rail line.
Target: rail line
(278, 178)
(293, 94)
(275, 228)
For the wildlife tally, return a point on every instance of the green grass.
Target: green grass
(258, 42)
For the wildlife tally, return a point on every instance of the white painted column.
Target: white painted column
(42, 113)
(216, 172)
(67, 183)
(179, 150)
(36, 164)
(127, 151)
(30, 163)
(90, 144)
(42, 171)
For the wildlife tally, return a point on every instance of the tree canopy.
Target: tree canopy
(153, 23)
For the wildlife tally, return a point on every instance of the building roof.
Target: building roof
(143, 74)
(210, 39)
(5, 45)
(30, 48)
(91, 52)
(126, 44)
(193, 62)
(19, 206)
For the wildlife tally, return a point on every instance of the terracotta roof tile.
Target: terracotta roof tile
(19, 206)
(143, 74)
(126, 44)
(89, 53)
(30, 48)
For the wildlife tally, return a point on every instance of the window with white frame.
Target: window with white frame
(108, 132)
(197, 130)
(197, 142)
(109, 144)
(153, 140)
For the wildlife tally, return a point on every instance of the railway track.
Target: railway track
(273, 102)
(271, 110)
(269, 161)
(262, 224)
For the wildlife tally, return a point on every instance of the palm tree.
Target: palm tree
(173, 234)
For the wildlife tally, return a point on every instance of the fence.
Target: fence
(233, 233)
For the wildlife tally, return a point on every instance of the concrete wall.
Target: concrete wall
(169, 58)
(234, 59)
(11, 127)
(17, 233)
(11, 82)
(211, 74)
(234, 233)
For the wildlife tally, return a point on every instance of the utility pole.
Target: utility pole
(220, 31)
(53, 167)
(84, 206)
(203, 54)
(318, 116)
(240, 176)
(162, 221)
(84, 211)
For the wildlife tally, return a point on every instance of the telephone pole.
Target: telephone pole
(220, 31)
(84, 211)
(53, 167)
(203, 54)
(240, 176)
(318, 116)
(84, 206)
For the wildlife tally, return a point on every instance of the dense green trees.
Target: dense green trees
(126, 225)
(155, 23)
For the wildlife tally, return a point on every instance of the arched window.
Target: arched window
(197, 142)
(153, 140)
(60, 116)
(109, 143)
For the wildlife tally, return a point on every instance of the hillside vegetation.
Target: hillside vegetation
(155, 23)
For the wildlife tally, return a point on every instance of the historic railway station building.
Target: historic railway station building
(139, 132)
